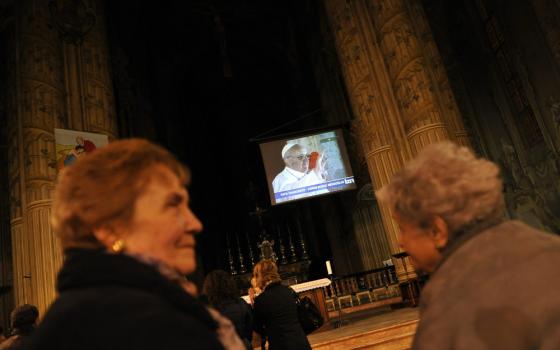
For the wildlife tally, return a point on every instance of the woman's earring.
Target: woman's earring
(118, 246)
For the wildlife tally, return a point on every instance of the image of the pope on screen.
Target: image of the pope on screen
(302, 168)
(306, 166)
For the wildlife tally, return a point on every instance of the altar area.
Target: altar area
(367, 309)
(383, 324)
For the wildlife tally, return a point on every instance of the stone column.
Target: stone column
(398, 87)
(439, 78)
(370, 233)
(48, 94)
(418, 78)
(377, 118)
(37, 107)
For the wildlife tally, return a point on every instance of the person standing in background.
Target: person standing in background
(23, 321)
(275, 310)
(222, 293)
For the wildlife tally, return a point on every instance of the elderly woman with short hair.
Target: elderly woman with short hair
(123, 218)
(494, 282)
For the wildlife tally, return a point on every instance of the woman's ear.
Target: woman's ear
(440, 232)
(106, 235)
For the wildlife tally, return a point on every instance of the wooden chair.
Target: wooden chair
(345, 298)
(363, 295)
(379, 293)
(329, 303)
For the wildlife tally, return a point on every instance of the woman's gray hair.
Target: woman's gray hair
(448, 181)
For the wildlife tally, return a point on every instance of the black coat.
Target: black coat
(115, 302)
(275, 314)
(240, 313)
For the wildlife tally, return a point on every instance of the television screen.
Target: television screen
(307, 166)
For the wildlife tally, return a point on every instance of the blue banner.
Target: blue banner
(307, 191)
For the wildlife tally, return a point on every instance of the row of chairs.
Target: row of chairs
(368, 280)
(362, 297)
(362, 288)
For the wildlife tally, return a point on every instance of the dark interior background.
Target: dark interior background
(205, 78)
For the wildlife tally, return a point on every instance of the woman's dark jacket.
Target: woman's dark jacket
(241, 314)
(112, 301)
(275, 314)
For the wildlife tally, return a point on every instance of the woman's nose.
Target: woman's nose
(192, 223)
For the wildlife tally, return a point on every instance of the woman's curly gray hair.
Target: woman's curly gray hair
(448, 181)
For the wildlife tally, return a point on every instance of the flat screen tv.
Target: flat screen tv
(306, 166)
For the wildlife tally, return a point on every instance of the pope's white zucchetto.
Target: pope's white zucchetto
(287, 148)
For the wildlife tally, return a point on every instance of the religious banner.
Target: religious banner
(72, 144)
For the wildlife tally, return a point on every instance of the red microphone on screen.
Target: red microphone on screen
(313, 160)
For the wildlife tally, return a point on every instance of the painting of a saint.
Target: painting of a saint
(71, 145)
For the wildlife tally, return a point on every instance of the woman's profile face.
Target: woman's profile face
(419, 244)
(163, 226)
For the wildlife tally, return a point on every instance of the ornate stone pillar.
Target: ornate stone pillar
(417, 76)
(43, 98)
(370, 233)
(439, 78)
(398, 87)
(37, 108)
(377, 121)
